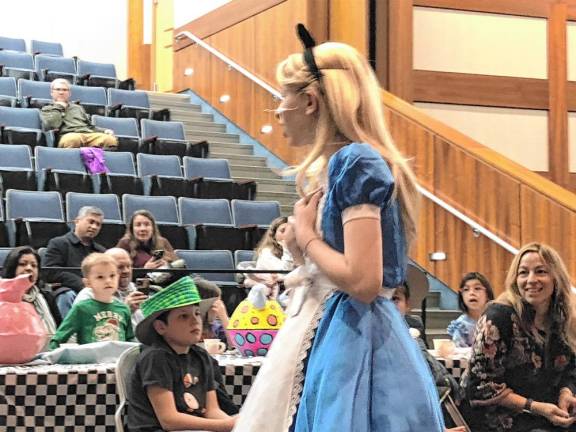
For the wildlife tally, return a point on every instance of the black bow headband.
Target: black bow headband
(309, 43)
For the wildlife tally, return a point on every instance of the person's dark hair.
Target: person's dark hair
(134, 243)
(483, 281)
(404, 289)
(164, 316)
(11, 262)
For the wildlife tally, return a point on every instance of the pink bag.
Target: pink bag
(93, 158)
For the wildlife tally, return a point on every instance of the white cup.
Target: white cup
(214, 346)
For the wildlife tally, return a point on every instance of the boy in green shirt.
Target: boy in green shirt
(103, 318)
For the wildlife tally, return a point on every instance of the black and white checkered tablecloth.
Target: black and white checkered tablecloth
(70, 398)
(58, 398)
(456, 366)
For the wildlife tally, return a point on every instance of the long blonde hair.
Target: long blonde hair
(349, 105)
(562, 308)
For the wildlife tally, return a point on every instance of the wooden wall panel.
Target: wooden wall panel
(467, 252)
(480, 90)
(545, 221)
(349, 23)
(531, 8)
(415, 143)
(477, 190)
(222, 18)
(557, 77)
(139, 60)
(400, 66)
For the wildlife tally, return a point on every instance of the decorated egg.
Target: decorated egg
(255, 322)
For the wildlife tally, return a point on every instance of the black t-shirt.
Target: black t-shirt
(188, 376)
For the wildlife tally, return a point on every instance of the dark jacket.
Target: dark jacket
(67, 251)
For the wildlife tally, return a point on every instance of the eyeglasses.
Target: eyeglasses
(60, 89)
(279, 111)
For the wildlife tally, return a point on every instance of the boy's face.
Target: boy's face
(182, 329)
(103, 279)
(401, 303)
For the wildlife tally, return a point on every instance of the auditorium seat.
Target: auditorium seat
(168, 138)
(12, 44)
(34, 94)
(23, 126)
(125, 129)
(162, 175)
(135, 104)
(34, 217)
(92, 99)
(48, 68)
(17, 65)
(122, 177)
(214, 179)
(16, 171)
(165, 212)
(46, 48)
(209, 222)
(62, 170)
(95, 74)
(8, 92)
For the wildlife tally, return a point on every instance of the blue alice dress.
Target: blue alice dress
(339, 364)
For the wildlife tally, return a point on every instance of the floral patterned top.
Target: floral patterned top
(462, 330)
(505, 359)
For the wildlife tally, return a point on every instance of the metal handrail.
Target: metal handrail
(474, 225)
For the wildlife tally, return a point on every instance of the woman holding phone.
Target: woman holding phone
(147, 248)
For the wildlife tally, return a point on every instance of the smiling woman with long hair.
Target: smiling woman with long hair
(522, 374)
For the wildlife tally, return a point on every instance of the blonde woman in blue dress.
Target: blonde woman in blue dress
(344, 360)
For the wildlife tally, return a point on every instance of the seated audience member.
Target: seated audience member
(172, 385)
(271, 254)
(522, 374)
(142, 239)
(22, 260)
(216, 321)
(72, 122)
(102, 318)
(68, 251)
(474, 293)
(127, 290)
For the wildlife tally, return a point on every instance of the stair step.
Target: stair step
(191, 126)
(252, 172)
(286, 210)
(155, 94)
(230, 148)
(177, 105)
(240, 159)
(211, 136)
(271, 185)
(283, 198)
(438, 318)
(433, 299)
(184, 116)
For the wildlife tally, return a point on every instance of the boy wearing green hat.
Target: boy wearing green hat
(172, 384)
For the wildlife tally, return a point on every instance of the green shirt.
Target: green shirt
(94, 321)
(73, 118)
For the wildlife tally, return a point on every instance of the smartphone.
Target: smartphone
(143, 285)
(158, 254)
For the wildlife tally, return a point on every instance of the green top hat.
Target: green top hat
(183, 292)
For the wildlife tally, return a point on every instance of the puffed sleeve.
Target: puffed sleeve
(485, 383)
(360, 176)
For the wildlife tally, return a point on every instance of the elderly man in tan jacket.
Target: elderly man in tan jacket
(73, 122)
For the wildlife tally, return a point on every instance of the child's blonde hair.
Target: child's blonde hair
(95, 259)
